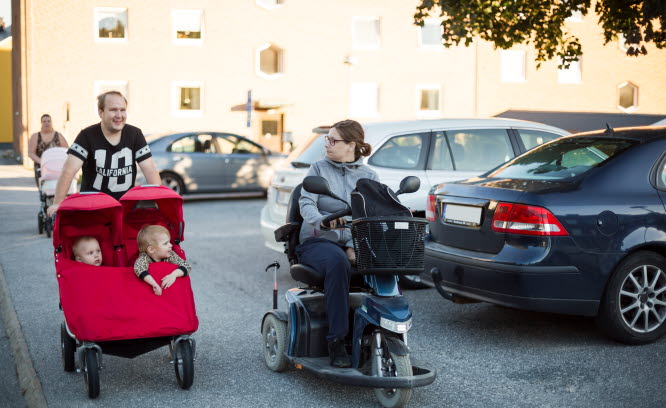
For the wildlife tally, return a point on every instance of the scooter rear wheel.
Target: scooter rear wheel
(274, 338)
(393, 365)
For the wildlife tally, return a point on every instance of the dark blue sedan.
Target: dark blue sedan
(575, 226)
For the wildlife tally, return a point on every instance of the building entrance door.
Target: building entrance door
(270, 130)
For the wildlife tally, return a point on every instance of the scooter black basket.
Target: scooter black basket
(389, 245)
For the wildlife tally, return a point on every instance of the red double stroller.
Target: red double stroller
(108, 310)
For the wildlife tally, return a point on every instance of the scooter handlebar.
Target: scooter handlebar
(326, 221)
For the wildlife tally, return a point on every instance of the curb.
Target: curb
(31, 387)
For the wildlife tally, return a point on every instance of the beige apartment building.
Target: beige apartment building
(191, 64)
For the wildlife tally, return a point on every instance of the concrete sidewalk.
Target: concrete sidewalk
(15, 360)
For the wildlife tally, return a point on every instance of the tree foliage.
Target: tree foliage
(542, 22)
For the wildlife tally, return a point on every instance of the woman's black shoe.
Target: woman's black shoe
(338, 354)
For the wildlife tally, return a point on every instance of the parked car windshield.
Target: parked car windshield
(309, 152)
(563, 159)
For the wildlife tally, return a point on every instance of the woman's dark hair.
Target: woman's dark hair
(352, 131)
(46, 115)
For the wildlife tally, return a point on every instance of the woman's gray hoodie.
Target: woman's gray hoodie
(342, 178)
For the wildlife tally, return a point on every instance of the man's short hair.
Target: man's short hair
(147, 236)
(101, 99)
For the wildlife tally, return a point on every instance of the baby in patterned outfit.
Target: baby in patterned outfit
(154, 244)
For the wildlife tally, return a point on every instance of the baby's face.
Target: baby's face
(163, 247)
(90, 253)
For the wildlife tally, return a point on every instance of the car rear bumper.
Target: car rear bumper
(268, 228)
(530, 287)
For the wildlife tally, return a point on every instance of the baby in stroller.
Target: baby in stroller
(100, 308)
(155, 246)
(86, 249)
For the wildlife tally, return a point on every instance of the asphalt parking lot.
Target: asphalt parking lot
(485, 355)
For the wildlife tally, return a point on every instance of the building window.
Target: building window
(364, 100)
(365, 33)
(270, 61)
(111, 24)
(187, 97)
(187, 26)
(428, 99)
(270, 4)
(627, 97)
(571, 75)
(513, 66)
(430, 35)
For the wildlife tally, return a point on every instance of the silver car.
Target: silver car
(211, 162)
(435, 151)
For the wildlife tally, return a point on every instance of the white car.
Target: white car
(435, 151)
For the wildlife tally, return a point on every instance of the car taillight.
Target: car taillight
(526, 219)
(431, 215)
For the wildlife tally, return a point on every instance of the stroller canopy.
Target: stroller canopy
(139, 205)
(94, 214)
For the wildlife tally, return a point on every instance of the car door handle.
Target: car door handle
(226, 160)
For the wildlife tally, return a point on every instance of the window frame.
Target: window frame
(423, 154)
(174, 32)
(427, 112)
(635, 105)
(280, 61)
(562, 73)
(511, 79)
(175, 99)
(96, 21)
(366, 47)
(431, 47)
(277, 4)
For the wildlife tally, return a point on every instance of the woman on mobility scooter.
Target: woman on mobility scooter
(324, 248)
(387, 241)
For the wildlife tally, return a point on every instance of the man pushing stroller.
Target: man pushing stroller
(107, 153)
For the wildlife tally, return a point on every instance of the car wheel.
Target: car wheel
(174, 182)
(633, 308)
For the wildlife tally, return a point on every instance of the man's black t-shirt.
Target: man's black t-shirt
(108, 168)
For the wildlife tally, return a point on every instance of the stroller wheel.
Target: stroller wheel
(48, 227)
(91, 372)
(183, 362)
(68, 349)
(40, 223)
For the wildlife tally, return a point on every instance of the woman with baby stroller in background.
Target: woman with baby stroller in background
(46, 138)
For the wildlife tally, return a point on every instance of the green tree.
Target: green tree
(506, 23)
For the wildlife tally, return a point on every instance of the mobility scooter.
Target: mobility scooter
(386, 246)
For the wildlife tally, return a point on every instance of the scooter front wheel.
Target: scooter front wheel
(274, 338)
(392, 365)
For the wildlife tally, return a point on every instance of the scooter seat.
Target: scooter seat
(306, 274)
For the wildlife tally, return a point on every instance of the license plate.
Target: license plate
(282, 197)
(462, 215)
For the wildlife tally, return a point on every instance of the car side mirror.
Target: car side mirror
(318, 185)
(409, 184)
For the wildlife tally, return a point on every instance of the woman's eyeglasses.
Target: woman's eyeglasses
(332, 141)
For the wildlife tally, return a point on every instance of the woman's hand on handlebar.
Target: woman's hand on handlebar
(332, 224)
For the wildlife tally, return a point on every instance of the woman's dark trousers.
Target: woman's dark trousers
(330, 259)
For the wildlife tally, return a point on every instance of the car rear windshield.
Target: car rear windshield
(563, 159)
(309, 152)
